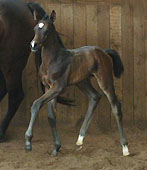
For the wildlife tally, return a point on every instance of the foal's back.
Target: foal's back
(86, 61)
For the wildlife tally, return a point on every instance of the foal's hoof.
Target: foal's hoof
(78, 147)
(125, 150)
(2, 137)
(28, 148)
(54, 153)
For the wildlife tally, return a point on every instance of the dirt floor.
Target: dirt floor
(101, 151)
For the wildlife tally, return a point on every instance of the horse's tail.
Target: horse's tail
(117, 63)
(60, 99)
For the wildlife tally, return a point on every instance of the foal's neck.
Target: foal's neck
(53, 43)
(53, 48)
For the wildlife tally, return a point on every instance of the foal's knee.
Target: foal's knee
(36, 106)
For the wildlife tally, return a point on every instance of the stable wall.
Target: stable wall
(118, 24)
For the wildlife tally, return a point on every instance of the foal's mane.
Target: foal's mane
(60, 41)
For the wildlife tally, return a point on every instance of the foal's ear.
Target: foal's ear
(53, 15)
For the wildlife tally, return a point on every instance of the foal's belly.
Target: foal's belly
(78, 75)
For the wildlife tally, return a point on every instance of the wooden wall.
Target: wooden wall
(119, 24)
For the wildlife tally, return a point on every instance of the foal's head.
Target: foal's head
(43, 30)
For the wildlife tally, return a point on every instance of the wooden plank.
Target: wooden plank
(80, 40)
(103, 29)
(145, 11)
(115, 43)
(91, 12)
(88, 2)
(79, 25)
(146, 71)
(139, 65)
(71, 1)
(104, 116)
(67, 24)
(128, 60)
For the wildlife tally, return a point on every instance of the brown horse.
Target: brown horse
(62, 67)
(16, 32)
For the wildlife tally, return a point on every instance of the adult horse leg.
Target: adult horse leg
(3, 89)
(94, 97)
(106, 84)
(52, 122)
(37, 104)
(15, 96)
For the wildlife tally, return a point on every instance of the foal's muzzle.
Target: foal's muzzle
(34, 46)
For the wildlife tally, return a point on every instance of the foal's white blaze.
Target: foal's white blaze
(80, 140)
(33, 44)
(41, 25)
(125, 151)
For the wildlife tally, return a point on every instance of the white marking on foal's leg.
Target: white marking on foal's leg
(125, 150)
(80, 140)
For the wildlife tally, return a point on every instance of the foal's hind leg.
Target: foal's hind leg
(52, 122)
(108, 88)
(94, 97)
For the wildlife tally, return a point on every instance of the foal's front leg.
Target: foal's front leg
(52, 122)
(49, 95)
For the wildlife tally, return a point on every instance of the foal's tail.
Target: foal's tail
(117, 63)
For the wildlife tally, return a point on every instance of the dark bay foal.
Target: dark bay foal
(62, 67)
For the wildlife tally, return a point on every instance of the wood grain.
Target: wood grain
(103, 28)
(128, 60)
(139, 65)
(120, 24)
